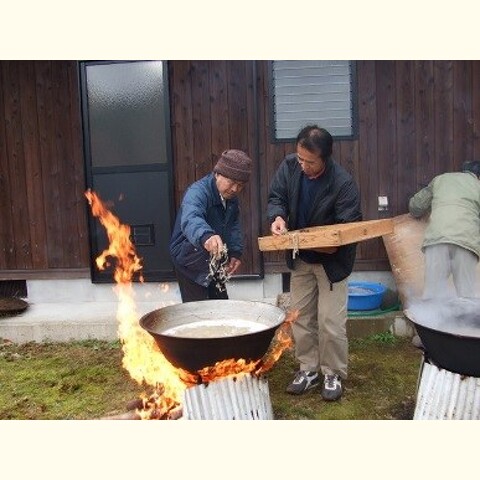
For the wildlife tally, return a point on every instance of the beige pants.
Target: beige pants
(320, 331)
(443, 260)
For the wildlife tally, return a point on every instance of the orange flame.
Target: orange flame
(142, 357)
(281, 342)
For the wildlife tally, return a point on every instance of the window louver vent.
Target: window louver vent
(307, 92)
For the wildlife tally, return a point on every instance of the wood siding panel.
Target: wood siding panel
(52, 176)
(237, 101)
(220, 121)
(443, 114)
(387, 162)
(406, 134)
(424, 126)
(182, 128)
(41, 154)
(252, 146)
(7, 238)
(14, 144)
(271, 155)
(368, 149)
(202, 138)
(462, 113)
(33, 169)
(80, 209)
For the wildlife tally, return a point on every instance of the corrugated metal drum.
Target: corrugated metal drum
(240, 397)
(444, 395)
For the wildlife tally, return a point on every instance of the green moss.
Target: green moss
(85, 380)
(381, 384)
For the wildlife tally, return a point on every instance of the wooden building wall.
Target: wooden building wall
(415, 119)
(213, 108)
(43, 228)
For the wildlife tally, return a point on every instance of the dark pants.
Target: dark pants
(192, 292)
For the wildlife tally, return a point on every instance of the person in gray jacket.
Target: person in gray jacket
(452, 237)
(207, 229)
(311, 189)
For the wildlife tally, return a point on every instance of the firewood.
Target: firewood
(123, 416)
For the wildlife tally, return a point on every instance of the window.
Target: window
(312, 92)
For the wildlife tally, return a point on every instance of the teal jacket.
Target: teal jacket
(453, 202)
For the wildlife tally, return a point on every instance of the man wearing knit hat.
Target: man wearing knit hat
(207, 228)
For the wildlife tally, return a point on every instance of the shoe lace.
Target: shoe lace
(303, 375)
(331, 381)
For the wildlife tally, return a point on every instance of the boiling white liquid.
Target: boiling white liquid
(460, 316)
(214, 329)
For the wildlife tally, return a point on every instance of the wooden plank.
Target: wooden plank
(443, 116)
(182, 128)
(78, 167)
(387, 145)
(274, 152)
(14, 142)
(51, 175)
(33, 166)
(7, 239)
(201, 118)
(255, 214)
(368, 144)
(63, 142)
(219, 109)
(462, 113)
(406, 135)
(425, 128)
(327, 236)
(238, 124)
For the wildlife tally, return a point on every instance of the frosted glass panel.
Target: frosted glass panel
(126, 103)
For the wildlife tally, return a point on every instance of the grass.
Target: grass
(85, 380)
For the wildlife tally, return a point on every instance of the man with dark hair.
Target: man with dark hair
(452, 237)
(207, 230)
(310, 189)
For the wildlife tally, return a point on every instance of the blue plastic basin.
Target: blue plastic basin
(365, 295)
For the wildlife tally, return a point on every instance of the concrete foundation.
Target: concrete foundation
(76, 309)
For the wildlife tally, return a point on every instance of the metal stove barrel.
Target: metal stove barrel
(239, 397)
(444, 395)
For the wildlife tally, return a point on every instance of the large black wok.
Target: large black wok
(193, 354)
(450, 333)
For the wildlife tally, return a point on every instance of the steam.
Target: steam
(451, 314)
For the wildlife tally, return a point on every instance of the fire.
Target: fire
(142, 357)
(281, 342)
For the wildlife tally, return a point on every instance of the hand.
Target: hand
(214, 245)
(233, 265)
(279, 226)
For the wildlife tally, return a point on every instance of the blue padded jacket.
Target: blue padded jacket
(201, 216)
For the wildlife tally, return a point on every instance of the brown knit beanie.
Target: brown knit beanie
(235, 165)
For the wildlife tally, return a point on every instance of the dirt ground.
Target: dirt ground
(85, 380)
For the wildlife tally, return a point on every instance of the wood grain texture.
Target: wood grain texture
(327, 236)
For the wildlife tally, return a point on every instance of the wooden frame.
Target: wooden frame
(327, 236)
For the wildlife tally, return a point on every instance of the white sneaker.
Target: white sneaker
(332, 387)
(303, 381)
